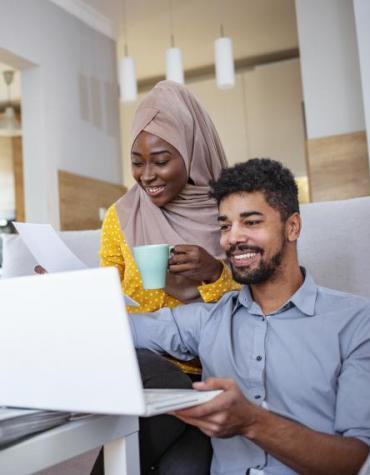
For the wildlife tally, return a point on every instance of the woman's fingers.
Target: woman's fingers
(40, 270)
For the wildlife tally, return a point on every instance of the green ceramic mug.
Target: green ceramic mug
(152, 262)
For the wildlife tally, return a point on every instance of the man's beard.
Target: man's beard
(265, 270)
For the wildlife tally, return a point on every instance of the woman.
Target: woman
(176, 151)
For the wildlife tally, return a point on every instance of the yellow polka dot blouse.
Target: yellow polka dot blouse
(114, 251)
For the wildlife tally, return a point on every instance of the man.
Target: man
(292, 358)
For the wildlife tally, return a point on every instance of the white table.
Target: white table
(118, 434)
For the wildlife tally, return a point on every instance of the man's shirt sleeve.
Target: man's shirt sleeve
(174, 331)
(353, 397)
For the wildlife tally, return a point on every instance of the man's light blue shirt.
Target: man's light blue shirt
(309, 361)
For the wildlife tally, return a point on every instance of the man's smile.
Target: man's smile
(244, 256)
(244, 259)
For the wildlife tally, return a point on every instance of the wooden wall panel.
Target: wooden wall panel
(80, 199)
(18, 178)
(338, 167)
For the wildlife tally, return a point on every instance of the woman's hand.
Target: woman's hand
(40, 270)
(195, 263)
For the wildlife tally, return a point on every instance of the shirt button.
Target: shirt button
(259, 358)
(257, 396)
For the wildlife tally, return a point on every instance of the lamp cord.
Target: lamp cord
(172, 36)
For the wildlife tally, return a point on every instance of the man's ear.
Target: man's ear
(293, 227)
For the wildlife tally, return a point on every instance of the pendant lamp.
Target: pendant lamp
(9, 124)
(127, 79)
(224, 62)
(127, 73)
(174, 68)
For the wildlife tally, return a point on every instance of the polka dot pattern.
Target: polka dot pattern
(114, 251)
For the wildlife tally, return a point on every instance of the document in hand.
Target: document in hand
(51, 252)
(47, 247)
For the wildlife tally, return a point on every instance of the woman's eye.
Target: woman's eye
(136, 164)
(162, 163)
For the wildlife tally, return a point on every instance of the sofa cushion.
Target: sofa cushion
(17, 260)
(335, 244)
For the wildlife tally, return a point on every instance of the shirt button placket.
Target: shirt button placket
(259, 359)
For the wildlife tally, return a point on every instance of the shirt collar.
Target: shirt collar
(304, 298)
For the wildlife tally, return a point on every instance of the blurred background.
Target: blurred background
(299, 93)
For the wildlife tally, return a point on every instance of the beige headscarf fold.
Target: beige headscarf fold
(171, 112)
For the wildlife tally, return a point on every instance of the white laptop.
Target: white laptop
(65, 344)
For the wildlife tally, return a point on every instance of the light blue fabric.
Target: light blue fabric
(309, 361)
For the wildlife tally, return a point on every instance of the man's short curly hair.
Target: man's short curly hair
(270, 177)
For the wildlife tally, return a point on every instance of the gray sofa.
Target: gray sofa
(334, 246)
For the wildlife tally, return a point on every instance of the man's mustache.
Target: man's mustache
(243, 248)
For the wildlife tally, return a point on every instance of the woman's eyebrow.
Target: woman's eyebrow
(155, 152)
(160, 152)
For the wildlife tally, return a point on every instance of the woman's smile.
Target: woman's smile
(154, 190)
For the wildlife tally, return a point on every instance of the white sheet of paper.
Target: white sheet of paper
(51, 252)
(48, 248)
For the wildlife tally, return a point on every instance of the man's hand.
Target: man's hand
(195, 263)
(226, 415)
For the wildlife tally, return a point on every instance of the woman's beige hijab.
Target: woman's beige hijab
(171, 112)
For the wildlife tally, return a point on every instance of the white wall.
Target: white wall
(330, 67)
(69, 99)
(274, 114)
(362, 17)
(7, 195)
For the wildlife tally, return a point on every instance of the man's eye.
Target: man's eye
(224, 227)
(252, 222)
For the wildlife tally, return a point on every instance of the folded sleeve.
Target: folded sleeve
(353, 396)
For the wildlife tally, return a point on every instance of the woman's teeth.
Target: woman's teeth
(154, 190)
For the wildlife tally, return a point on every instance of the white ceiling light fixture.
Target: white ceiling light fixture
(127, 73)
(224, 61)
(9, 124)
(174, 68)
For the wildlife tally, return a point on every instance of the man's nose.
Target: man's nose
(237, 234)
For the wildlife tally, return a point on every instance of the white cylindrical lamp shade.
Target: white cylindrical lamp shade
(224, 61)
(127, 79)
(174, 69)
(9, 125)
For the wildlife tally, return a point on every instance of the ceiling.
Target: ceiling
(256, 27)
